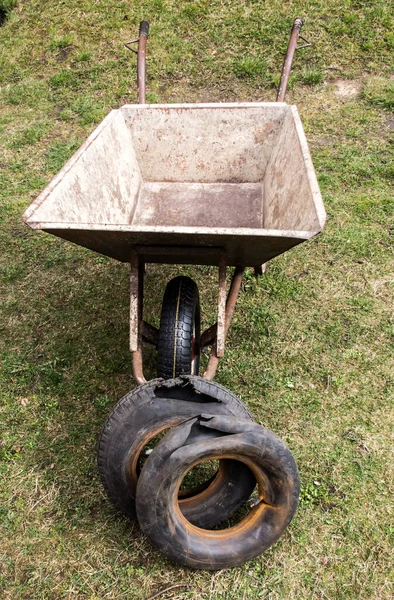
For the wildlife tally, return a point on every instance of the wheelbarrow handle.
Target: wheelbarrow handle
(284, 78)
(141, 70)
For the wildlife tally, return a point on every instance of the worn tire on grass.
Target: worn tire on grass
(204, 438)
(149, 410)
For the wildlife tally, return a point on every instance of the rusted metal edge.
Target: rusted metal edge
(242, 232)
(138, 367)
(203, 105)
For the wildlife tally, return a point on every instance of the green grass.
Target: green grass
(380, 91)
(310, 347)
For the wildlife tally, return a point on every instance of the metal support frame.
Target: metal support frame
(215, 335)
(141, 331)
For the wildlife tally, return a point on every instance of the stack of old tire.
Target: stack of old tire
(195, 420)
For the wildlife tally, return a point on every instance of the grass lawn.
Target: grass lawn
(310, 349)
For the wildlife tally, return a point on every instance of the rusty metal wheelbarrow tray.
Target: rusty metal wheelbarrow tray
(196, 177)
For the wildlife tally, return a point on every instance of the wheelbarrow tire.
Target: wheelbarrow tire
(182, 542)
(178, 349)
(147, 411)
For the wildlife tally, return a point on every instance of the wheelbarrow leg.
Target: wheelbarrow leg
(136, 313)
(260, 270)
(209, 336)
(221, 328)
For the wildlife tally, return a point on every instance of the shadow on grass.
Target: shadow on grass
(66, 361)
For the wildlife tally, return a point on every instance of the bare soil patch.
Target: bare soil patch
(347, 89)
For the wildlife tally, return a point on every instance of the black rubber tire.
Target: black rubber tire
(152, 408)
(179, 334)
(205, 438)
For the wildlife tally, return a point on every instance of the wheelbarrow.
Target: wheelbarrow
(228, 185)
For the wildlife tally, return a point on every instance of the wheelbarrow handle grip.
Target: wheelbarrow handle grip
(144, 28)
(298, 23)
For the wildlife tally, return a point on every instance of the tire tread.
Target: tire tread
(181, 306)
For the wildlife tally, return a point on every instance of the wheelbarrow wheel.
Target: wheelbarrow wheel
(179, 334)
(204, 438)
(147, 412)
